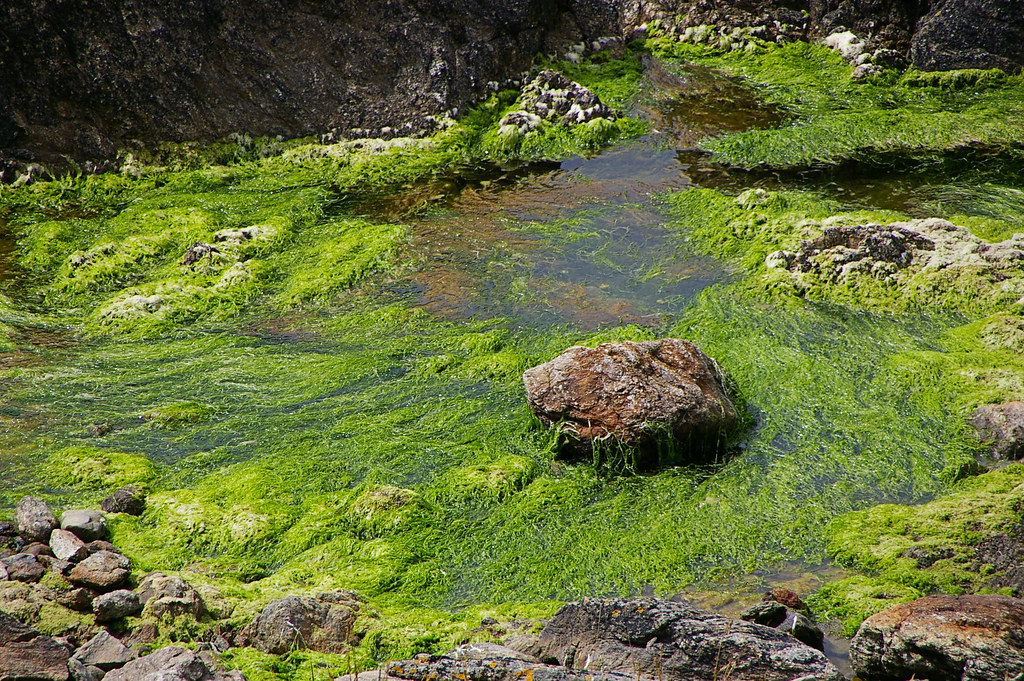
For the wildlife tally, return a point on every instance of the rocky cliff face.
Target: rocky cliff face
(85, 77)
(81, 79)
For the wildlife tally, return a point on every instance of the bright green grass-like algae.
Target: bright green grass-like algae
(297, 433)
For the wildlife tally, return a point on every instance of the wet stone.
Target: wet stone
(85, 524)
(66, 546)
(34, 519)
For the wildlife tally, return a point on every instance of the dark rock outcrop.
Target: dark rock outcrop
(652, 638)
(433, 668)
(970, 34)
(325, 623)
(1002, 426)
(943, 638)
(639, 394)
(129, 500)
(27, 655)
(84, 79)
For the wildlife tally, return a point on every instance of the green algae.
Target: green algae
(917, 118)
(854, 599)
(87, 468)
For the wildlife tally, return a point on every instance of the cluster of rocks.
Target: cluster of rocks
(856, 51)
(634, 395)
(554, 98)
(896, 252)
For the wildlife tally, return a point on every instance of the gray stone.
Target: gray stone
(1001, 426)
(325, 623)
(166, 595)
(488, 651)
(102, 571)
(443, 668)
(79, 599)
(129, 500)
(23, 567)
(87, 525)
(27, 655)
(34, 519)
(652, 638)
(79, 672)
(943, 638)
(104, 651)
(67, 546)
(115, 605)
(778, 616)
(171, 664)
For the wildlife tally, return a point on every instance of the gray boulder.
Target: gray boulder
(171, 664)
(115, 605)
(943, 638)
(86, 525)
(488, 651)
(27, 655)
(660, 639)
(34, 519)
(324, 623)
(104, 651)
(165, 595)
(67, 546)
(970, 34)
(102, 571)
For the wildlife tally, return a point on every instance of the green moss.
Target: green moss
(854, 599)
(91, 468)
(56, 620)
(837, 120)
(961, 79)
(932, 547)
(487, 482)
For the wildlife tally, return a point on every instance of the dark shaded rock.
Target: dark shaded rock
(101, 545)
(79, 672)
(8, 528)
(637, 393)
(1002, 427)
(27, 655)
(85, 524)
(38, 549)
(104, 651)
(23, 567)
(943, 638)
(61, 567)
(886, 23)
(204, 70)
(787, 597)
(324, 623)
(66, 546)
(652, 638)
(102, 571)
(142, 635)
(1005, 554)
(3, 573)
(115, 605)
(926, 557)
(778, 616)
(34, 519)
(970, 34)
(129, 500)
(165, 595)
(173, 662)
(433, 668)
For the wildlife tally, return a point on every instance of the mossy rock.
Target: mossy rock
(854, 599)
(489, 482)
(92, 468)
(178, 413)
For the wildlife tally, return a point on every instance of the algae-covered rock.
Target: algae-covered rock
(943, 638)
(662, 639)
(634, 395)
(163, 595)
(130, 500)
(552, 96)
(1001, 426)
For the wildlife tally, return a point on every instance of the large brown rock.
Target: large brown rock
(325, 623)
(27, 655)
(638, 395)
(34, 519)
(655, 639)
(943, 638)
(1002, 427)
(102, 571)
(165, 595)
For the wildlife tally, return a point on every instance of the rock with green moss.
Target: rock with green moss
(325, 623)
(1001, 428)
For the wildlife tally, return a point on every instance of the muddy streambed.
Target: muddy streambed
(267, 442)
